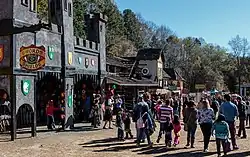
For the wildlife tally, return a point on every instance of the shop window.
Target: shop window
(65, 5)
(25, 2)
(33, 5)
(70, 9)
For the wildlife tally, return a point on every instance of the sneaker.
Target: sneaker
(104, 128)
(205, 150)
(243, 137)
(192, 146)
(235, 147)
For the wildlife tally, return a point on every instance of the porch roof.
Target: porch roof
(124, 81)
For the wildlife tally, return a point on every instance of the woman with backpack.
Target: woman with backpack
(145, 125)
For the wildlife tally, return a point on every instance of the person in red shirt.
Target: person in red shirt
(50, 115)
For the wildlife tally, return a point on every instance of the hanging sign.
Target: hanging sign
(70, 58)
(51, 53)
(1, 53)
(25, 87)
(32, 57)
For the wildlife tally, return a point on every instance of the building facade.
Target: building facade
(49, 63)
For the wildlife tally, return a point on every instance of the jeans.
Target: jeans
(206, 131)
(50, 122)
(191, 130)
(232, 130)
(220, 142)
(242, 128)
(120, 133)
(143, 132)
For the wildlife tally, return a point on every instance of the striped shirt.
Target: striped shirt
(165, 113)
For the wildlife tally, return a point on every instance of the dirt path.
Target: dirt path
(102, 143)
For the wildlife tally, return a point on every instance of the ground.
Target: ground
(87, 142)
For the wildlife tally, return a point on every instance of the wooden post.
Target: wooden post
(13, 107)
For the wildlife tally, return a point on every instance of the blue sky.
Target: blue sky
(217, 21)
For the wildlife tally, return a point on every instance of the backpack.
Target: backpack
(140, 123)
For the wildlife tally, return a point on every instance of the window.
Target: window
(65, 5)
(25, 2)
(33, 5)
(70, 9)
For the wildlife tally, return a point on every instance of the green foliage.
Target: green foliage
(42, 9)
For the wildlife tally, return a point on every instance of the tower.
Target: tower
(96, 31)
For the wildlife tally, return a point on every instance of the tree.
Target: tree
(42, 10)
(240, 49)
(132, 28)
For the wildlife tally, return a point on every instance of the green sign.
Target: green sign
(25, 86)
(114, 86)
(51, 53)
(70, 101)
(172, 87)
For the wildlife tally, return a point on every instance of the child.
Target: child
(119, 124)
(177, 129)
(50, 115)
(127, 122)
(221, 129)
(168, 133)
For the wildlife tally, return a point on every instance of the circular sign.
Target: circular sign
(145, 71)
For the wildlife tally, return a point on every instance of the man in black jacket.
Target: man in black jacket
(242, 117)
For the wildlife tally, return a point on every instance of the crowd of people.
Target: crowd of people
(215, 116)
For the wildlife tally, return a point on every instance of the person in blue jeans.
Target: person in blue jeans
(191, 121)
(230, 111)
(148, 127)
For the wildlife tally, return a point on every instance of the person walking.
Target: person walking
(190, 122)
(205, 118)
(230, 111)
(165, 116)
(221, 129)
(144, 123)
(242, 117)
(248, 113)
(177, 129)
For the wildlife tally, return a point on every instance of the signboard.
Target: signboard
(1, 53)
(32, 57)
(86, 62)
(200, 86)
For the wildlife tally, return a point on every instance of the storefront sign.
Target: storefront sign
(70, 58)
(1, 53)
(25, 87)
(32, 57)
(80, 60)
(51, 53)
(86, 62)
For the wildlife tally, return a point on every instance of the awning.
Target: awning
(123, 81)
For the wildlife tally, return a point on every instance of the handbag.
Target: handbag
(228, 145)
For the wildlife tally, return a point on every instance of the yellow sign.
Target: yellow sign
(200, 86)
(70, 58)
(32, 57)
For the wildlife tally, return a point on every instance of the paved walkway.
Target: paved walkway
(87, 142)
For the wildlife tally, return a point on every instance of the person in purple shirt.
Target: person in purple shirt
(230, 111)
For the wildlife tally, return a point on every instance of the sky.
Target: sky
(217, 21)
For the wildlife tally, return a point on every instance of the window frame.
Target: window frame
(25, 3)
(33, 6)
(69, 9)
